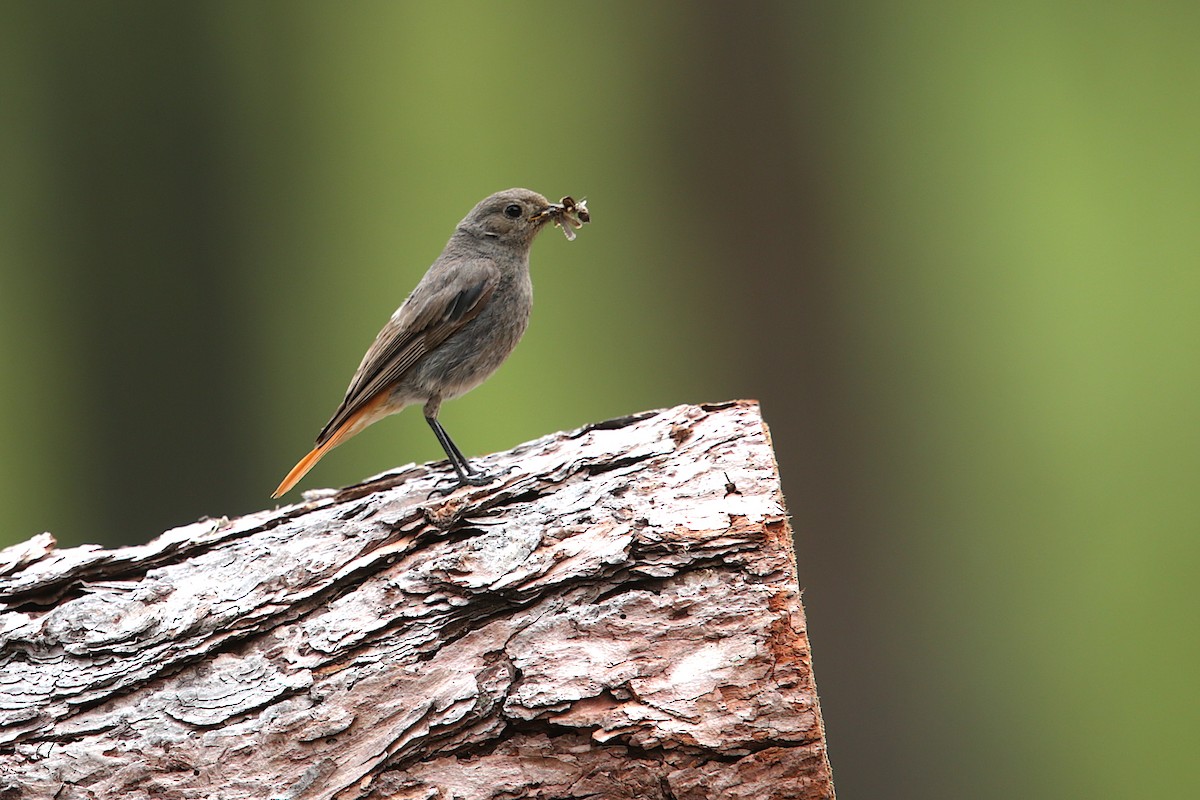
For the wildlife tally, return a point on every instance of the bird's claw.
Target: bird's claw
(474, 478)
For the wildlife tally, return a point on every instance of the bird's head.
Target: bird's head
(517, 215)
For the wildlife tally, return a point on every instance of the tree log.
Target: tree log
(616, 616)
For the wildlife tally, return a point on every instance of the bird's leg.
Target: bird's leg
(462, 467)
(453, 448)
(467, 475)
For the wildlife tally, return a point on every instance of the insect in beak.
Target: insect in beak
(567, 214)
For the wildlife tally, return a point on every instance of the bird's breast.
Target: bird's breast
(471, 354)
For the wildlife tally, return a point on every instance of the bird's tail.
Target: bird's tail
(302, 467)
(359, 420)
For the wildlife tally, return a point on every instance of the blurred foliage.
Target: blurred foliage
(951, 247)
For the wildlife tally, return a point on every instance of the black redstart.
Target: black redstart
(459, 324)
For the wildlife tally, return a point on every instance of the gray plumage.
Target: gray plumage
(456, 327)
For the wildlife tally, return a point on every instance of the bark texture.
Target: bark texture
(615, 617)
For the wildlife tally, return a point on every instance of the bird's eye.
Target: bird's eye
(512, 211)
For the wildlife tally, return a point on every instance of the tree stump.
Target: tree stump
(617, 616)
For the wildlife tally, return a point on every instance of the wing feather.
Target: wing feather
(436, 309)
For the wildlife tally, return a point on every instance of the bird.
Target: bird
(455, 329)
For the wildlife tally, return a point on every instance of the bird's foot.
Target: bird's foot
(473, 478)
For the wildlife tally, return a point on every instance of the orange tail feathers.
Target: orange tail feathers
(364, 417)
(302, 467)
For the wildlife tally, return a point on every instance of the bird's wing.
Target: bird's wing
(440, 305)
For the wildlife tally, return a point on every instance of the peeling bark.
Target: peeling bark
(615, 617)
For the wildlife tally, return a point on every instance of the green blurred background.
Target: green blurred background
(952, 247)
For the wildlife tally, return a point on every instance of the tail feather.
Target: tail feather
(302, 467)
(361, 419)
